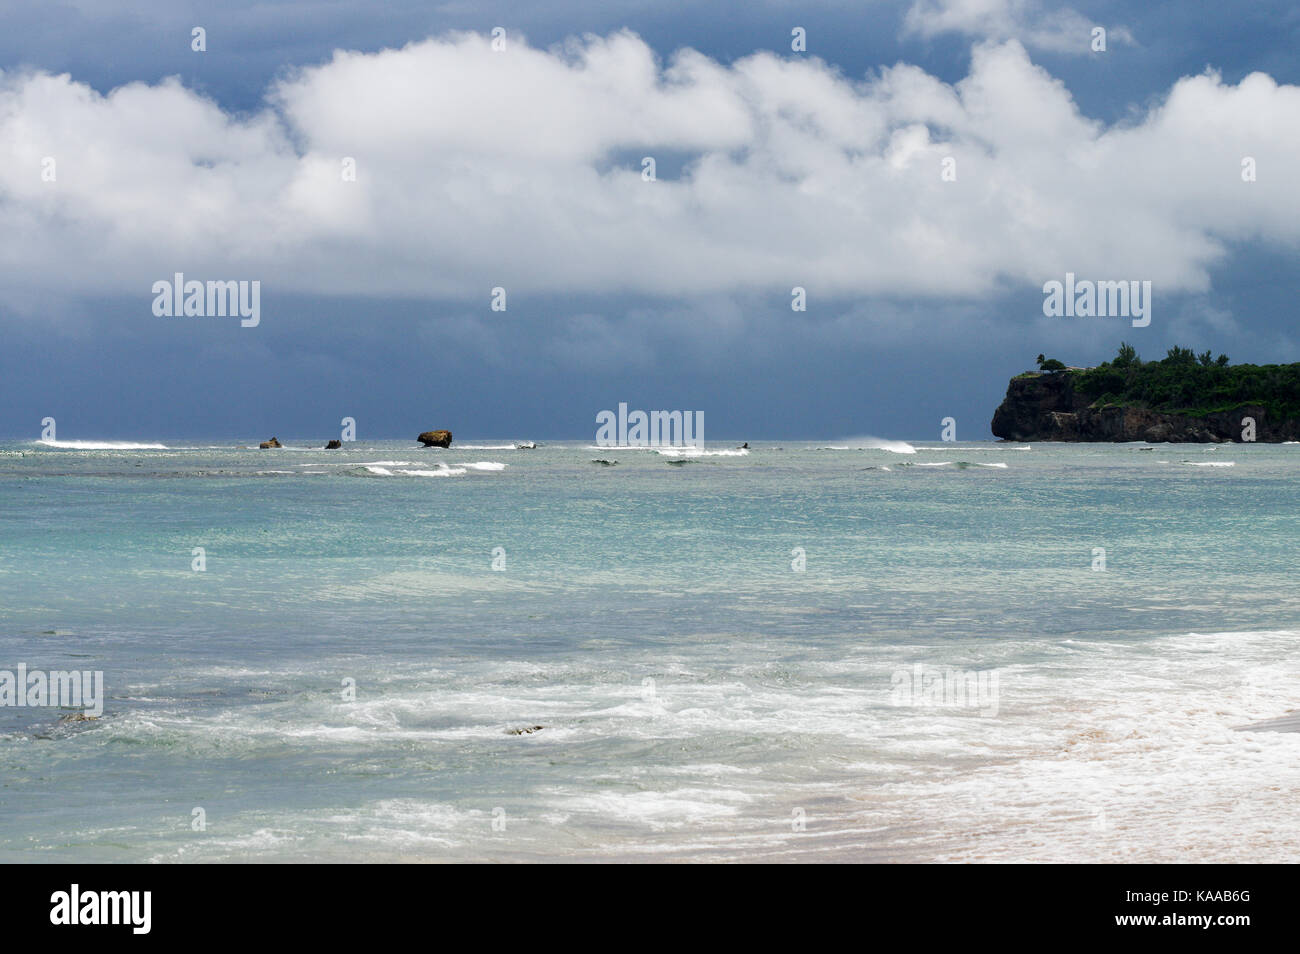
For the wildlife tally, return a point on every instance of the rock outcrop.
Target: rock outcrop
(435, 438)
(1047, 407)
(334, 445)
(271, 443)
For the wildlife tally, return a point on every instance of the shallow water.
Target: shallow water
(700, 698)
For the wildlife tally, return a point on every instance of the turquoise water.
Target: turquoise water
(700, 698)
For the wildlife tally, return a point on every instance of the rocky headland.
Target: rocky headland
(1184, 398)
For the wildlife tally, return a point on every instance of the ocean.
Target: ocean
(840, 651)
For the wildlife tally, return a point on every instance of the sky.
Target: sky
(919, 170)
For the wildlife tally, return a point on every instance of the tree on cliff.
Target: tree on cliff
(1049, 364)
(1185, 396)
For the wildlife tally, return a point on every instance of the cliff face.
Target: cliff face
(1045, 407)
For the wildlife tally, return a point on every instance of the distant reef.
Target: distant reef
(1184, 398)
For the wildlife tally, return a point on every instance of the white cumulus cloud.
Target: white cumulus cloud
(1059, 28)
(522, 169)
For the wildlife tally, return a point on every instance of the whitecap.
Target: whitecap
(700, 452)
(361, 463)
(876, 443)
(100, 445)
(444, 472)
(980, 450)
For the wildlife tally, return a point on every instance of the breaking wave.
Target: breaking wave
(100, 445)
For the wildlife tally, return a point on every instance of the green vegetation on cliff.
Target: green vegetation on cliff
(1186, 383)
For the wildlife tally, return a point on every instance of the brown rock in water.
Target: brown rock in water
(333, 445)
(271, 443)
(435, 438)
(526, 730)
(78, 717)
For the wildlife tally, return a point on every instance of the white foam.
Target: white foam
(444, 472)
(658, 811)
(1210, 463)
(361, 463)
(1128, 766)
(874, 443)
(951, 463)
(485, 465)
(699, 452)
(980, 450)
(101, 445)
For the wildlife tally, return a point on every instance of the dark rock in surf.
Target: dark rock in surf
(435, 438)
(526, 730)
